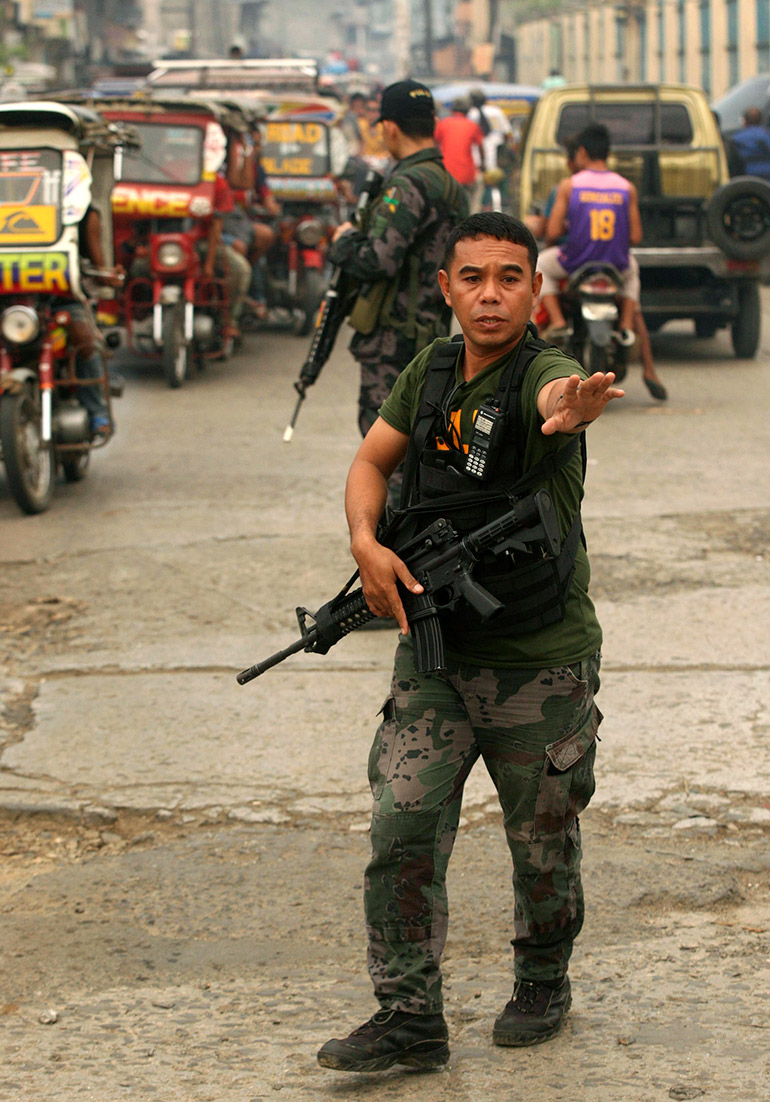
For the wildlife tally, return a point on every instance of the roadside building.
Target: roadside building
(709, 43)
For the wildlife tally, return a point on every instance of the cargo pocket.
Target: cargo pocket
(381, 753)
(567, 781)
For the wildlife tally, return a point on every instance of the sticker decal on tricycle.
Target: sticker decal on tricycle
(151, 202)
(27, 224)
(34, 273)
(30, 195)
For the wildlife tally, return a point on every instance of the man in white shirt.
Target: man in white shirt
(493, 123)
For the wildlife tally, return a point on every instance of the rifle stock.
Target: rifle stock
(442, 561)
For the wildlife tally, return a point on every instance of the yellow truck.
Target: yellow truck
(706, 244)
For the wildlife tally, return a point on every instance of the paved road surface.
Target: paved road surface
(182, 858)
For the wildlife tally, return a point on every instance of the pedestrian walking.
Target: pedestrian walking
(459, 137)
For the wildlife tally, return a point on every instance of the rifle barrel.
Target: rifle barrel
(288, 432)
(254, 671)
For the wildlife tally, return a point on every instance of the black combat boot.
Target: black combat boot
(390, 1037)
(534, 1014)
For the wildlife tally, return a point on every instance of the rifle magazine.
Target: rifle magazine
(428, 645)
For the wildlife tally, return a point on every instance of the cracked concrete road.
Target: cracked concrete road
(182, 858)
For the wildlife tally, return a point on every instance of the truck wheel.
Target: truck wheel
(29, 464)
(745, 330)
(174, 347)
(738, 218)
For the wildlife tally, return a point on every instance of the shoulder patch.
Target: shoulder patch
(392, 197)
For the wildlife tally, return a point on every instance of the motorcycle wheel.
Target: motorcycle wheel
(619, 363)
(199, 358)
(75, 466)
(174, 347)
(597, 358)
(313, 290)
(747, 327)
(28, 461)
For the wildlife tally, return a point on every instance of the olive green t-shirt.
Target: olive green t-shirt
(578, 635)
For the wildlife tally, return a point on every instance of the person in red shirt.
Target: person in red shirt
(456, 137)
(219, 255)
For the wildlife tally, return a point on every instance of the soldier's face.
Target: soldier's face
(492, 290)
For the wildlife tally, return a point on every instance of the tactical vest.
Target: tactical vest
(533, 589)
(373, 308)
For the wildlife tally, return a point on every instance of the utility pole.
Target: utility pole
(427, 9)
(402, 39)
(191, 14)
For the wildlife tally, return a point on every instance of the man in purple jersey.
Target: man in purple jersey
(599, 212)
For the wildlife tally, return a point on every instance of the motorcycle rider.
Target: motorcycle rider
(82, 332)
(218, 254)
(537, 223)
(599, 212)
(261, 236)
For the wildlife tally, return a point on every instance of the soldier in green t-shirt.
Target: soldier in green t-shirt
(521, 700)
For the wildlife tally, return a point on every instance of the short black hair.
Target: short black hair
(417, 127)
(595, 139)
(571, 147)
(491, 224)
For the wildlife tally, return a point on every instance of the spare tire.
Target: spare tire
(738, 217)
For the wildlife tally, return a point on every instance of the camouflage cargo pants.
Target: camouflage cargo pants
(536, 731)
(382, 357)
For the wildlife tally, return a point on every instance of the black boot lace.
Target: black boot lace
(382, 1017)
(525, 995)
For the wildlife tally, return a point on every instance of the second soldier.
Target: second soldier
(396, 254)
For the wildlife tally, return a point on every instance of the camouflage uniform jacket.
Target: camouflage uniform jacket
(404, 230)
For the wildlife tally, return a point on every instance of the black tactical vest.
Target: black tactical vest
(533, 589)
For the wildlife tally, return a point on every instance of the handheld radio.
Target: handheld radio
(486, 438)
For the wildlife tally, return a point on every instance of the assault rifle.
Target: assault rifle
(335, 307)
(442, 562)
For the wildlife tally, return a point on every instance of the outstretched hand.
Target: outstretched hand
(581, 402)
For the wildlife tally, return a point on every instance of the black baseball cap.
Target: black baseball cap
(406, 99)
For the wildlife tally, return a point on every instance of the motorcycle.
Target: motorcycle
(304, 156)
(161, 211)
(590, 301)
(56, 162)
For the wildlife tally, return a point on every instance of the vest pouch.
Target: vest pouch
(365, 315)
(534, 595)
(439, 478)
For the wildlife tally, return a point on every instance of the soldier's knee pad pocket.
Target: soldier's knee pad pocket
(567, 780)
(381, 753)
